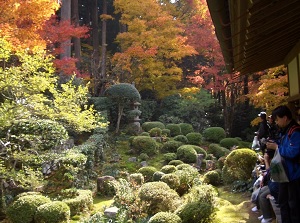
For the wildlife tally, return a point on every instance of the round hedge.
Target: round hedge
(53, 212)
(181, 138)
(200, 150)
(186, 128)
(136, 178)
(214, 134)
(159, 197)
(174, 129)
(147, 172)
(168, 169)
(172, 180)
(24, 208)
(145, 144)
(175, 162)
(228, 143)
(147, 126)
(171, 146)
(166, 217)
(155, 132)
(217, 150)
(194, 138)
(197, 212)
(169, 157)
(238, 165)
(212, 177)
(187, 154)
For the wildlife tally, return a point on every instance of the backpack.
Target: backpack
(290, 132)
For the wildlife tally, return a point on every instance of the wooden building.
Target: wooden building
(255, 35)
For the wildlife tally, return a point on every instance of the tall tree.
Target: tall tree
(151, 48)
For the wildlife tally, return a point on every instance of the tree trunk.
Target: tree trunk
(120, 112)
(76, 41)
(65, 14)
(103, 49)
(95, 56)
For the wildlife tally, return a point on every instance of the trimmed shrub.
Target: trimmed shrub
(200, 150)
(24, 208)
(197, 212)
(159, 197)
(145, 144)
(228, 143)
(187, 154)
(217, 150)
(146, 126)
(188, 175)
(82, 201)
(172, 180)
(53, 212)
(157, 175)
(166, 132)
(166, 217)
(147, 172)
(220, 162)
(174, 129)
(168, 169)
(181, 138)
(171, 146)
(214, 134)
(186, 128)
(145, 134)
(136, 178)
(169, 156)
(212, 177)
(202, 193)
(194, 138)
(155, 132)
(175, 162)
(239, 165)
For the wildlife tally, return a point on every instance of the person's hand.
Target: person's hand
(271, 145)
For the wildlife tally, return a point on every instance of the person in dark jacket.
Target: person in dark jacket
(289, 149)
(263, 131)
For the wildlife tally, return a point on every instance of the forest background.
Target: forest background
(167, 49)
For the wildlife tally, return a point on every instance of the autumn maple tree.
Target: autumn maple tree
(150, 48)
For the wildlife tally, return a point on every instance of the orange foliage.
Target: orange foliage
(21, 19)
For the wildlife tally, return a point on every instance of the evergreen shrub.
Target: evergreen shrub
(174, 129)
(168, 169)
(147, 126)
(145, 134)
(187, 154)
(214, 134)
(202, 193)
(155, 132)
(166, 132)
(181, 138)
(188, 176)
(38, 133)
(172, 180)
(175, 162)
(145, 144)
(136, 178)
(171, 146)
(159, 197)
(200, 150)
(217, 150)
(53, 212)
(82, 201)
(143, 156)
(147, 172)
(194, 138)
(169, 156)
(212, 177)
(186, 128)
(228, 143)
(197, 212)
(166, 217)
(239, 165)
(24, 208)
